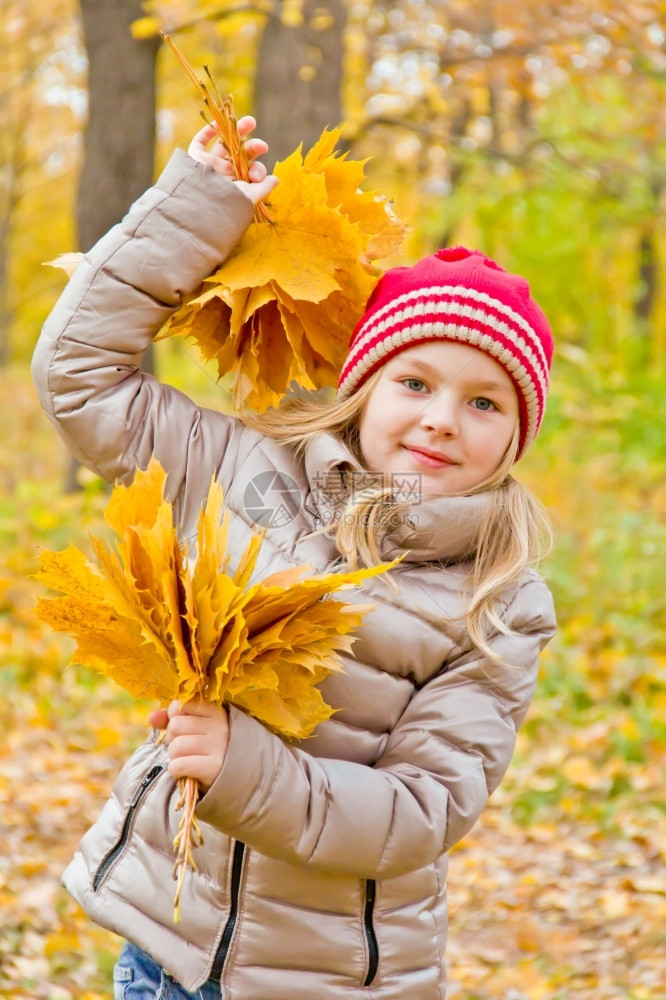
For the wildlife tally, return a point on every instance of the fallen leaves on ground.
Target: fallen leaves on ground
(553, 910)
(560, 908)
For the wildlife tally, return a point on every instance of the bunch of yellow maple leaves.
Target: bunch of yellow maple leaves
(167, 626)
(281, 308)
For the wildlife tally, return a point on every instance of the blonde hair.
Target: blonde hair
(515, 531)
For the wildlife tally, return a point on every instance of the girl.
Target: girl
(323, 871)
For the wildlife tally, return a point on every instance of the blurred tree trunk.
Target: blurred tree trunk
(648, 258)
(119, 144)
(12, 170)
(19, 64)
(647, 271)
(5, 308)
(299, 77)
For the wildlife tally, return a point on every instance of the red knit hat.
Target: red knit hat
(458, 295)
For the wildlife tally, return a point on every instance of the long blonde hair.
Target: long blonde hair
(515, 531)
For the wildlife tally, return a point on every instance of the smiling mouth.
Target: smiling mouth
(433, 459)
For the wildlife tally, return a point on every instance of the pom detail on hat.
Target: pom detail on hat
(457, 295)
(454, 253)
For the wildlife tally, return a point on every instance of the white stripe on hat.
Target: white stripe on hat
(447, 309)
(461, 292)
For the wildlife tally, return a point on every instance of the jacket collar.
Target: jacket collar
(437, 528)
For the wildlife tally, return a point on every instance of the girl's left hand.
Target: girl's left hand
(197, 736)
(260, 184)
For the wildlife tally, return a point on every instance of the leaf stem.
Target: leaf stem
(222, 112)
(188, 838)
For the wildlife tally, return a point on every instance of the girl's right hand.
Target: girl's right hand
(260, 184)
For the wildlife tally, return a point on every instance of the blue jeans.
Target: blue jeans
(137, 977)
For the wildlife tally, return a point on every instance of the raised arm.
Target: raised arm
(445, 757)
(111, 415)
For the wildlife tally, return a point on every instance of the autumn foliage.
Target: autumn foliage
(281, 307)
(535, 131)
(169, 623)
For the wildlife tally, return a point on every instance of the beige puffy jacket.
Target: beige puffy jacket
(324, 867)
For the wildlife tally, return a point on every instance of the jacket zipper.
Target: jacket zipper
(129, 816)
(370, 936)
(234, 893)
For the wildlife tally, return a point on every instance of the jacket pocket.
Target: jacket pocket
(112, 856)
(369, 931)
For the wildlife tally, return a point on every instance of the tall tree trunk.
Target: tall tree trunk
(299, 77)
(16, 107)
(119, 145)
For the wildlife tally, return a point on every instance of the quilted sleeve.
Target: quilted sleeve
(443, 759)
(111, 415)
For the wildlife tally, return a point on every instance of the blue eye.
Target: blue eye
(416, 384)
(481, 403)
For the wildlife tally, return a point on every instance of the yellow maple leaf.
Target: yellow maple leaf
(138, 503)
(306, 241)
(371, 211)
(111, 638)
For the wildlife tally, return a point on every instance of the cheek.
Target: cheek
(372, 437)
(493, 452)
(511, 431)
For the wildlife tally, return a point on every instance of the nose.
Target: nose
(441, 415)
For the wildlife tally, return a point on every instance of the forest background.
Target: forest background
(536, 131)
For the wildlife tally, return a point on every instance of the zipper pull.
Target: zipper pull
(149, 778)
